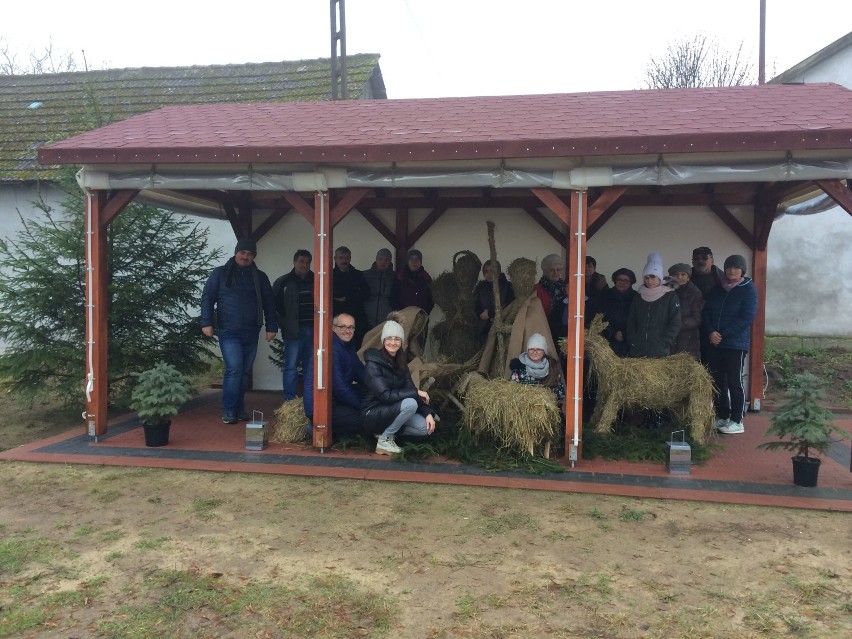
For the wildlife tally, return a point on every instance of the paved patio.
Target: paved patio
(738, 474)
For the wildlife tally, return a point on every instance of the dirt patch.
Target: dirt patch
(831, 365)
(454, 561)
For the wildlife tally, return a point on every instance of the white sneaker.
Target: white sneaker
(387, 446)
(722, 423)
(734, 428)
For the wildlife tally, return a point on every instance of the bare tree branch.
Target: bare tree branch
(46, 61)
(698, 62)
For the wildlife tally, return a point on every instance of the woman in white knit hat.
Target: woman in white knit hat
(392, 404)
(536, 366)
(653, 322)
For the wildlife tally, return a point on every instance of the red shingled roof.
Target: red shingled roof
(754, 118)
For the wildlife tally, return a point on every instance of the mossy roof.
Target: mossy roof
(39, 109)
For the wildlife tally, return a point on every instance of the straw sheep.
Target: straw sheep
(677, 383)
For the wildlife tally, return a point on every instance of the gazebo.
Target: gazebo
(566, 163)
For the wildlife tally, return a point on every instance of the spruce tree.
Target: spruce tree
(157, 264)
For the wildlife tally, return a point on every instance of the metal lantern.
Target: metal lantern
(679, 457)
(257, 433)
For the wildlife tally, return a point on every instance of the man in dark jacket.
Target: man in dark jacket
(294, 303)
(729, 312)
(347, 375)
(350, 292)
(705, 275)
(241, 297)
(381, 281)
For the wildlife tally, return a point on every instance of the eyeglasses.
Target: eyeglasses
(539, 350)
(345, 328)
(392, 339)
(622, 280)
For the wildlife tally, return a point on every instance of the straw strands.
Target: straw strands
(290, 422)
(677, 383)
(516, 416)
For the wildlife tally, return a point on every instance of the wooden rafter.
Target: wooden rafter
(116, 202)
(297, 202)
(546, 224)
(732, 222)
(433, 216)
(605, 204)
(552, 202)
(349, 200)
(837, 192)
(377, 224)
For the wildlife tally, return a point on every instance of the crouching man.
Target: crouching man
(347, 374)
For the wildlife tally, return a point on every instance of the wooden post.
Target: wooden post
(576, 275)
(322, 437)
(758, 331)
(97, 315)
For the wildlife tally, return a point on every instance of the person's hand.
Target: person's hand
(271, 336)
(207, 330)
(424, 396)
(619, 336)
(430, 424)
(715, 338)
(484, 315)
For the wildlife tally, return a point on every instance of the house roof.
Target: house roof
(38, 109)
(773, 119)
(793, 73)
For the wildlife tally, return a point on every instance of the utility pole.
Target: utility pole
(338, 49)
(761, 56)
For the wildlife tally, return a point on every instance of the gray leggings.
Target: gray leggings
(409, 420)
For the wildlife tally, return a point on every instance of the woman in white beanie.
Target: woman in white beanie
(654, 319)
(392, 403)
(536, 366)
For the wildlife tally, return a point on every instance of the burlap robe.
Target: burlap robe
(530, 319)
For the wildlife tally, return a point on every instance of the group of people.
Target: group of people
(698, 309)
(377, 397)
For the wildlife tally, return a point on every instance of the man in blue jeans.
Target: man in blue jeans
(240, 295)
(294, 302)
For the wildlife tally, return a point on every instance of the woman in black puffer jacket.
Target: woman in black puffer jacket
(392, 403)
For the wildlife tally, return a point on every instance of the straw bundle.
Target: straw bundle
(516, 416)
(453, 292)
(677, 383)
(290, 422)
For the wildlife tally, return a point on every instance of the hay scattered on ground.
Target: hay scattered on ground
(516, 416)
(290, 422)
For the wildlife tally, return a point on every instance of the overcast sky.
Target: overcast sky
(429, 48)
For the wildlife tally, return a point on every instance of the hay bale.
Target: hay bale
(290, 422)
(516, 416)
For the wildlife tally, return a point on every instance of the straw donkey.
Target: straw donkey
(677, 383)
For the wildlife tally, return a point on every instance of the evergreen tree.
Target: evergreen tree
(157, 264)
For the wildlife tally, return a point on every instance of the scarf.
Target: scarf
(653, 294)
(555, 289)
(729, 286)
(229, 282)
(535, 370)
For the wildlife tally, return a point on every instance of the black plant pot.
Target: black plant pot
(805, 471)
(157, 434)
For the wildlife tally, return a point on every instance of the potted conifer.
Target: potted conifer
(802, 425)
(156, 398)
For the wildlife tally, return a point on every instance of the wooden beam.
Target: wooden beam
(322, 434)
(297, 202)
(837, 192)
(576, 277)
(264, 227)
(116, 202)
(233, 218)
(758, 330)
(547, 225)
(97, 314)
(401, 243)
(426, 224)
(377, 224)
(552, 202)
(605, 202)
(732, 222)
(346, 204)
(764, 216)
(601, 219)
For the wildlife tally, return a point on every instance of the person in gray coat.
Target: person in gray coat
(381, 281)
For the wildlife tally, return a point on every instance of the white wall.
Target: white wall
(808, 293)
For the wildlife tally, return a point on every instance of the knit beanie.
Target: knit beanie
(680, 267)
(537, 340)
(737, 261)
(654, 266)
(246, 244)
(385, 253)
(392, 329)
(627, 273)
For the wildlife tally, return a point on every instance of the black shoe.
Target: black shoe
(228, 418)
(243, 417)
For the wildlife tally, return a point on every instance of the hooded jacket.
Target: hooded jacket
(653, 326)
(731, 313)
(386, 387)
